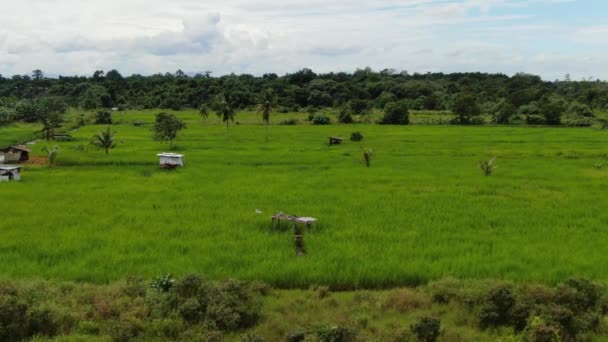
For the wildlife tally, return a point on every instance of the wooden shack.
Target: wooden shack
(171, 160)
(10, 173)
(15, 154)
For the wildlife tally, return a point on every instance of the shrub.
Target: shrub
(578, 121)
(465, 107)
(357, 106)
(344, 116)
(503, 112)
(289, 122)
(320, 119)
(356, 136)
(368, 155)
(579, 109)
(396, 113)
(103, 117)
(427, 329)
(405, 300)
(163, 283)
(13, 318)
(488, 166)
(322, 292)
(327, 333)
(541, 331)
(534, 119)
(497, 310)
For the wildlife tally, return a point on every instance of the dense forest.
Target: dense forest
(522, 96)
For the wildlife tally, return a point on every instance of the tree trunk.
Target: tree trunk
(228, 129)
(266, 130)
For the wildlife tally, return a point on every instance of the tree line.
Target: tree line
(522, 96)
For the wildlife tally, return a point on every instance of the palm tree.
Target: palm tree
(265, 107)
(226, 112)
(104, 140)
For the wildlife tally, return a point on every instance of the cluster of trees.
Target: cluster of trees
(520, 97)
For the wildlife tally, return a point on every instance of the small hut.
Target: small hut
(171, 160)
(9, 173)
(15, 154)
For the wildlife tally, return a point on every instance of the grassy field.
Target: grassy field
(423, 210)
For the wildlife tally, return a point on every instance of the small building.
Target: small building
(15, 154)
(9, 173)
(171, 160)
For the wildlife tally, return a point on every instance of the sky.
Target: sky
(550, 38)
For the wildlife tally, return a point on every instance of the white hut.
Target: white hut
(9, 173)
(170, 160)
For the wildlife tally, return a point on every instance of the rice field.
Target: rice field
(422, 211)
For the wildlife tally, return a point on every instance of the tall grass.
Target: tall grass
(421, 212)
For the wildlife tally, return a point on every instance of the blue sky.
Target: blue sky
(550, 38)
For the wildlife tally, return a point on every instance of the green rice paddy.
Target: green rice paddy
(422, 211)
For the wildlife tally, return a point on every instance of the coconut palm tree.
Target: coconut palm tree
(265, 106)
(226, 112)
(104, 140)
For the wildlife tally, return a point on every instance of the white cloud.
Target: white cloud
(149, 36)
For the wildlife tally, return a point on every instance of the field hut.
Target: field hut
(171, 160)
(9, 173)
(15, 154)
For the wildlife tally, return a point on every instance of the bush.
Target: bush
(163, 283)
(465, 107)
(356, 136)
(320, 119)
(578, 121)
(344, 116)
(289, 122)
(328, 333)
(541, 331)
(427, 329)
(405, 300)
(497, 310)
(534, 119)
(103, 117)
(396, 113)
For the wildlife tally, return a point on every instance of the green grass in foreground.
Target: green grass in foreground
(422, 211)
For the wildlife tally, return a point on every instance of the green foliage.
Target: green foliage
(357, 106)
(105, 140)
(52, 154)
(498, 308)
(552, 108)
(503, 112)
(344, 115)
(356, 136)
(465, 106)
(163, 283)
(427, 329)
(203, 111)
(396, 113)
(488, 166)
(166, 127)
(103, 117)
(368, 155)
(320, 119)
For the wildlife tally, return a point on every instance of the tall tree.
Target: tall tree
(226, 111)
(104, 140)
(265, 106)
(166, 127)
(37, 74)
(50, 111)
(466, 107)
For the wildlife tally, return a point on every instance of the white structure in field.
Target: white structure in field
(9, 173)
(170, 160)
